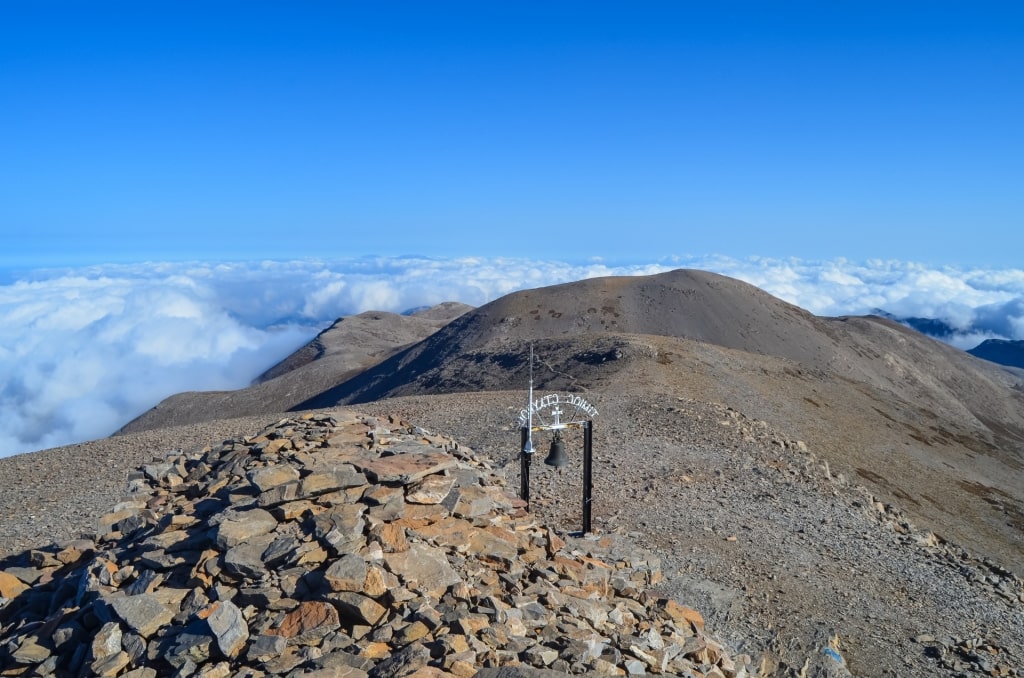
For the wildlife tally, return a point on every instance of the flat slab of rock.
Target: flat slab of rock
(240, 526)
(406, 468)
(143, 614)
(308, 623)
(271, 476)
(11, 586)
(229, 627)
(426, 566)
(431, 490)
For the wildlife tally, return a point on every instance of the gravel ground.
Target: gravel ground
(779, 552)
(57, 494)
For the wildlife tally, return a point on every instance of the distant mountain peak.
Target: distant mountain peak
(932, 327)
(1003, 351)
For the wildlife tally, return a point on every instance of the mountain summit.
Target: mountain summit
(918, 421)
(805, 480)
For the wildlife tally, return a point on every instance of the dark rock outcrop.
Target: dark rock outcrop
(1002, 351)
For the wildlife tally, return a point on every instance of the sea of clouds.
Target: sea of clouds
(84, 350)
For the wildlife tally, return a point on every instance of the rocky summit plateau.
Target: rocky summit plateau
(339, 547)
(775, 494)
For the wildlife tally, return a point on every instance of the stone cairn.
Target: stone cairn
(332, 546)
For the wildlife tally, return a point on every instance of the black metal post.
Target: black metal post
(588, 486)
(524, 467)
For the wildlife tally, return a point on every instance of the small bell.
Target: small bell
(556, 455)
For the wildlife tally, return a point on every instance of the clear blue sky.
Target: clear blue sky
(633, 130)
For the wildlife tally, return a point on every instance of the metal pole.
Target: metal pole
(524, 468)
(588, 487)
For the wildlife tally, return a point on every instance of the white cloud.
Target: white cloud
(82, 351)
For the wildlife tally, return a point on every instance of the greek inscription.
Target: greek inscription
(553, 399)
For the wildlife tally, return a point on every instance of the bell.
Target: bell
(556, 456)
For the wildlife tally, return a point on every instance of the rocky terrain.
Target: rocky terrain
(329, 546)
(831, 493)
(780, 550)
(864, 392)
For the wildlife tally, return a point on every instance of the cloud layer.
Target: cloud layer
(82, 351)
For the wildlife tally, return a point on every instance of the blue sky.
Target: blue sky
(191, 190)
(629, 131)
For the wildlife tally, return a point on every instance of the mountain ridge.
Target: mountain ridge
(860, 389)
(1002, 351)
(803, 479)
(343, 350)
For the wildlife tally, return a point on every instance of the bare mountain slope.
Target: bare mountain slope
(349, 346)
(695, 305)
(802, 479)
(923, 424)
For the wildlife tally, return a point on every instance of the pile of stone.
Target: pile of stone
(980, 572)
(329, 546)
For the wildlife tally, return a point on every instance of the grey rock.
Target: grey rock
(265, 647)
(110, 666)
(407, 468)
(635, 667)
(357, 607)
(162, 560)
(194, 601)
(106, 642)
(517, 672)
(143, 614)
(30, 652)
(430, 490)
(48, 667)
(276, 496)
(69, 632)
(280, 549)
(145, 582)
(342, 659)
(239, 526)
(540, 655)
(593, 611)
(341, 528)
(474, 501)
(331, 672)
(428, 566)
(229, 627)
(340, 478)
(158, 471)
(134, 645)
(272, 476)
(405, 661)
(189, 648)
(261, 597)
(29, 575)
(347, 573)
(246, 559)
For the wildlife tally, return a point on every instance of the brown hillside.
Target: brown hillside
(348, 347)
(807, 482)
(923, 424)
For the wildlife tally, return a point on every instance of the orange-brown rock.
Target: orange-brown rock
(310, 621)
(10, 586)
